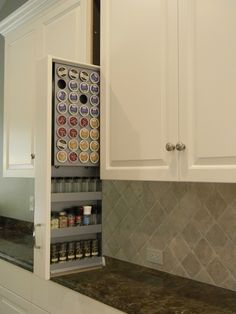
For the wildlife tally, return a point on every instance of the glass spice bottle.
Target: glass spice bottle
(79, 250)
(71, 218)
(63, 220)
(54, 221)
(79, 216)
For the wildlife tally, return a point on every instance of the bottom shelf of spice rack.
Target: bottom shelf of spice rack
(70, 266)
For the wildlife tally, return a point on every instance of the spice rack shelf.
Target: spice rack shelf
(74, 231)
(76, 265)
(76, 196)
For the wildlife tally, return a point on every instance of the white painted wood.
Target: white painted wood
(10, 303)
(37, 310)
(19, 99)
(207, 90)
(139, 89)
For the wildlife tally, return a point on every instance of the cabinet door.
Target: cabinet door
(19, 101)
(11, 303)
(207, 90)
(139, 89)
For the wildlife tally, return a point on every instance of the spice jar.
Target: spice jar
(63, 221)
(54, 221)
(95, 247)
(79, 216)
(62, 252)
(87, 248)
(79, 250)
(54, 254)
(71, 251)
(87, 215)
(71, 218)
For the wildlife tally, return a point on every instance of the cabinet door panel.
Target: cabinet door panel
(207, 89)
(20, 88)
(139, 89)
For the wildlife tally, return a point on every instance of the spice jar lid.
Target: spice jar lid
(87, 210)
(63, 213)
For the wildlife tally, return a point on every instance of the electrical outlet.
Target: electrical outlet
(155, 256)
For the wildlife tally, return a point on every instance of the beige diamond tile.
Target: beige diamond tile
(203, 220)
(204, 252)
(158, 188)
(157, 241)
(121, 186)
(169, 260)
(166, 231)
(179, 189)
(138, 211)
(179, 247)
(191, 235)
(157, 214)
(217, 238)
(230, 283)
(191, 265)
(139, 188)
(204, 190)
(215, 204)
(217, 271)
(121, 208)
(203, 276)
(129, 197)
(168, 201)
(178, 270)
(227, 191)
(228, 222)
(228, 257)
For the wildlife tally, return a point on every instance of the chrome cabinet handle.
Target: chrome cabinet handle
(180, 146)
(170, 147)
(37, 236)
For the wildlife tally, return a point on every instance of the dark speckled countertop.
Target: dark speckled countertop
(16, 242)
(138, 290)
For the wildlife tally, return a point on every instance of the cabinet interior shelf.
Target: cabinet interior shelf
(76, 265)
(79, 196)
(73, 231)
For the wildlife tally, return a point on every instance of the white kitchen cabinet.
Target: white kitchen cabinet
(168, 76)
(139, 92)
(49, 27)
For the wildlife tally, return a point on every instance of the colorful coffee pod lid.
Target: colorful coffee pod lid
(94, 123)
(62, 107)
(84, 110)
(84, 87)
(73, 133)
(73, 86)
(73, 109)
(84, 76)
(74, 74)
(73, 157)
(84, 145)
(73, 144)
(94, 157)
(84, 157)
(94, 134)
(73, 97)
(61, 144)
(73, 121)
(94, 112)
(62, 156)
(62, 95)
(83, 122)
(94, 100)
(84, 133)
(94, 89)
(94, 77)
(94, 146)
(61, 71)
(61, 120)
(61, 132)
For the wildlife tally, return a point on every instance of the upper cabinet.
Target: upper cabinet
(168, 90)
(139, 93)
(60, 28)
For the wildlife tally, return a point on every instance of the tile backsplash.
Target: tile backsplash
(193, 224)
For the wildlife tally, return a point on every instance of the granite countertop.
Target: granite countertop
(16, 242)
(138, 290)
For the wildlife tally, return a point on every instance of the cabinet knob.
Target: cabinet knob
(180, 146)
(32, 156)
(170, 147)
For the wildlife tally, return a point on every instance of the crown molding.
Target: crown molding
(26, 12)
